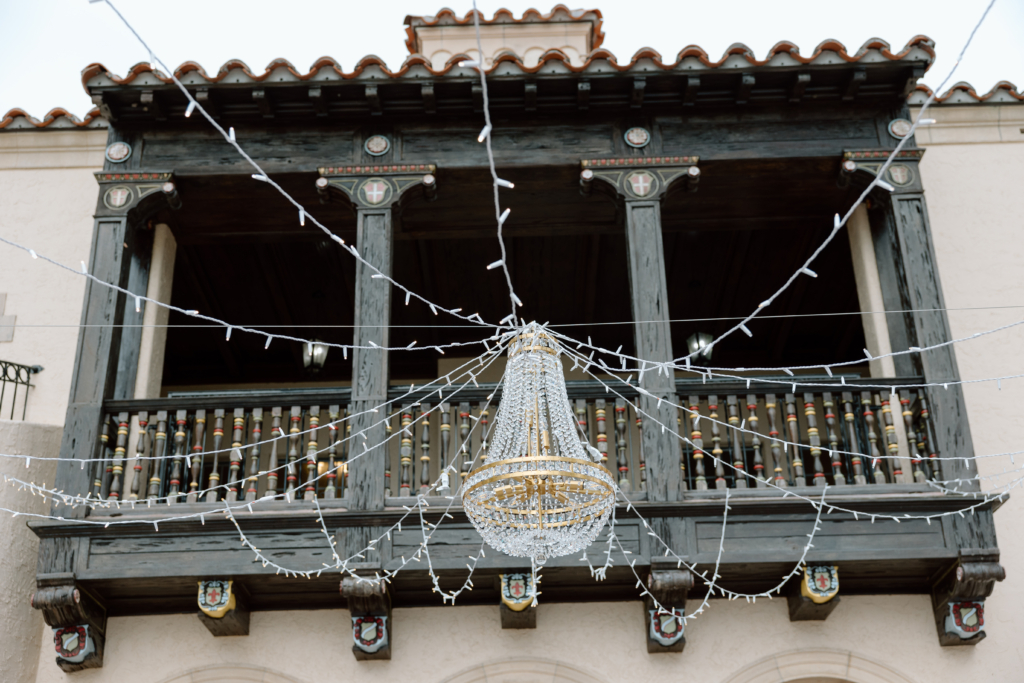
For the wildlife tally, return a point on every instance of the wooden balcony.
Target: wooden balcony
(283, 444)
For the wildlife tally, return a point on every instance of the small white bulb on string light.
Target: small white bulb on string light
(84, 271)
(746, 330)
(868, 354)
(496, 264)
(836, 222)
(191, 108)
(884, 185)
(808, 271)
(32, 253)
(138, 304)
(227, 335)
(484, 133)
(410, 346)
(504, 216)
(267, 345)
(926, 122)
(516, 300)
(231, 133)
(408, 294)
(302, 217)
(504, 183)
(377, 276)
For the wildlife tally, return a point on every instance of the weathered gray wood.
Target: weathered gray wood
(367, 455)
(804, 609)
(653, 343)
(910, 281)
(526, 618)
(140, 246)
(236, 621)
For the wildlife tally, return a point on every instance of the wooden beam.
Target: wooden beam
(207, 101)
(530, 95)
(151, 103)
(583, 94)
(796, 90)
(139, 245)
(263, 100)
(373, 99)
(690, 92)
(637, 97)
(316, 97)
(478, 97)
(916, 74)
(429, 101)
(744, 88)
(856, 79)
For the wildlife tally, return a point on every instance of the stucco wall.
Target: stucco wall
(47, 196)
(20, 625)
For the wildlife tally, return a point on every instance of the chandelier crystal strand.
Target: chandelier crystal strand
(540, 494)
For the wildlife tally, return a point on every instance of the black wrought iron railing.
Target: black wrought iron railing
(15, 382)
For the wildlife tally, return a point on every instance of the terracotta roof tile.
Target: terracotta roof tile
(17, 119)
(560, 13)
(964, 93)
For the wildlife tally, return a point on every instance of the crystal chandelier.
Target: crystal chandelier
(540, 493)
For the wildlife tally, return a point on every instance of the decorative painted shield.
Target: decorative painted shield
(216, 598)
(898, 128)
(376, 145)
(375, 191)
(516, 591)
(966, 618)
(640, 183)
(117, 197)
(369, 632)
(899, 174)
(73, 643)
(637, 137)
(118, 152)
(821, 582)
(667, 628)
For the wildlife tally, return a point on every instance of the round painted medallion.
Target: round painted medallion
(641, 184)
(899, 128)
(118, 152)
(118, 197)
(637, 137)
(900, 174)
(375, 191)
(376, 145)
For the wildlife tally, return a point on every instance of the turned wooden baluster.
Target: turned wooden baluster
(174, 482)
(601, 422)
(908, 423)
(140, 455)
(387, 453)
(198, 433)
(159, 453)
(833, 438)
(120, 450)
(928, 434)
(716, 443)
(446, 437)
(793, 428)
(869, 420)
(700, 481)
(346, 449)
(736, 437)
(312, 448)
(276, 434)
(405, 453)
(890, 439)
(853, 443)
(581, 420)
(755, 441)
(621, 458)
(333, 414)
(683, 447)
(235, 464)
(641, 457)
(778, 448)
(464, 443)
(425, 449)
(254, 455)
(96, 490)
(294, 439)
(213, 481)
(484, 433)
(814, 439)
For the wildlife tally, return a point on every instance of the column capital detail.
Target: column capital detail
(122, 191)
(902, 174)
(376, 186)
(641, 178)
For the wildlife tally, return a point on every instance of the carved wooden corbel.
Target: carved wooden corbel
(669, 586)
(517, 595)
(369, 604)
(223, 608)
(958, 598)
(818, 594)
(78, 620)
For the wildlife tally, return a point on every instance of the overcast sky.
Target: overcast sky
(45, 45)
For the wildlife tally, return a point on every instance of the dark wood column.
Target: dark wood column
(642, 184)
(910, 281)
(373, 190)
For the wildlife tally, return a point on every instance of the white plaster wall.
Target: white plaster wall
(47, 196)
(528, 41)
(20, 625)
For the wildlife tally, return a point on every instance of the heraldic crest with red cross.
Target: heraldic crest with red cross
(820, 583)
(215, 598)
(370, 632)
(516, 591)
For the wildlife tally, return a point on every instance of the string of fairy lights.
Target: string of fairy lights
(495, 344)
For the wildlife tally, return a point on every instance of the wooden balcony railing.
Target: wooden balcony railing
(240, 446)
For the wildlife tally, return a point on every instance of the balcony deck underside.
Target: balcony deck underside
(138, 570)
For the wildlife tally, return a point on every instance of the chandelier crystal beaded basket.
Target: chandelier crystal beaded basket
(540, 494)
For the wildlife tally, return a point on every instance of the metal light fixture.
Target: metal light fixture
(700, 343)
(542, 492)
(314, 356)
